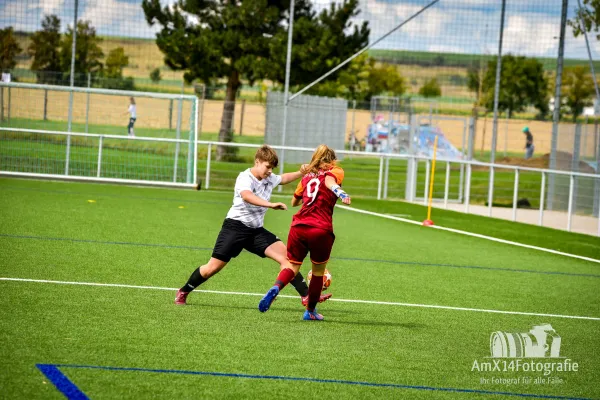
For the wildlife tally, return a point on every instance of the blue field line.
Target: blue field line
(68, 385)
(408, 263)
(62, 383)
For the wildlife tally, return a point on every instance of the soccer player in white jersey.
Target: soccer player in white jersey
(132, 116)
(243, 226)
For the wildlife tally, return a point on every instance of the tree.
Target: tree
(115, 62)
(87, 52)
(351, 82)
(362, 79)
(589, 13)
(155, 75)
(44, 48)
(474, 83)
(9, 49)
(522, 83)
(431, 88)
(247, 40)
(384, 79)
(577, 90)
(113, 71)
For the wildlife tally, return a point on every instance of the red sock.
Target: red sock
(314, 292)
(285, 276)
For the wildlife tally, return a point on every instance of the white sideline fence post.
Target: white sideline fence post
(208, 156)
(427, 174)
(447, 185)
(515, 195)
(380, 183)
(542, 198)
(99, 156)
(570, 206)
(468, 189)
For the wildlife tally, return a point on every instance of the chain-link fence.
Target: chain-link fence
(446, 56)
(436, 64)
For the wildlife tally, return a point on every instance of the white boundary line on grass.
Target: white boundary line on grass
(477, 235)
(385, 303)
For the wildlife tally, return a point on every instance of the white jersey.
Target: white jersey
(250, 215)
(132, 111)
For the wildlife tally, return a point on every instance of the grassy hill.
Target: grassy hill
(437, 59)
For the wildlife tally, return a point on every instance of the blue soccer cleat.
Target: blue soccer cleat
(312, 316)
(267, 300)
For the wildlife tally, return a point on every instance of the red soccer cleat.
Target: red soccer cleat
(181, 297)
(323, 298)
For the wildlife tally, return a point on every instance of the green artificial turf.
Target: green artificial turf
(377, 331)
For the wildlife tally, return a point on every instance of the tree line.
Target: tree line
(217, 41)
(524, 83)
(222, 43)
(51, 54)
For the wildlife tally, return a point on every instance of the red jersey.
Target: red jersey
(317, 201)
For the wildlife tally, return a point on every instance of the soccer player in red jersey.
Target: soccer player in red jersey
(312, 227)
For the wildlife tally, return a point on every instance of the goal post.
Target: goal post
(161, 149)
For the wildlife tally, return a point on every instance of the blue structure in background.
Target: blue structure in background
(381, 140)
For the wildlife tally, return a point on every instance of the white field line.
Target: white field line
(384, 303)
(493, 239)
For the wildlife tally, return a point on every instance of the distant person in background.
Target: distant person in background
(528, 143)
(132, 117)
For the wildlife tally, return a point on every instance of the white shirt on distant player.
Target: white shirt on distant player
(250, 215)
(131, 111)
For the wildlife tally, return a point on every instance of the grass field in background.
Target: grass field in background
(133, 342)
(154, 161)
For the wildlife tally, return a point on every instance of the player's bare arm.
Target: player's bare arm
(332, 185)
(253, 199)
(292, 176)
(296, 201)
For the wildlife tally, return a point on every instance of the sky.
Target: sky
(457, 26)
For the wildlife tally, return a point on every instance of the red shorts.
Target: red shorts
(303, 239)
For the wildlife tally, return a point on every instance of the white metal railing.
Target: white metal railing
(112, 92)
(382, 175)
(191, 167)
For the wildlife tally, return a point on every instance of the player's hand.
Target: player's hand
(346, 200)
(304, 169)
(279, 206)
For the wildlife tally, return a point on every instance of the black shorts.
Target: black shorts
(235, 236)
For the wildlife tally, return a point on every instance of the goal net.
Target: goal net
(91, 134)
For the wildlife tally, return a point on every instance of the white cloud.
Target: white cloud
(473, 26)
(117, 18)
(50, 6)
(383, 17)
(530, 35)
(25, 16)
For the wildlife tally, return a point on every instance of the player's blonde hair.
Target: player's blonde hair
(323, 159)
(266, 153)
